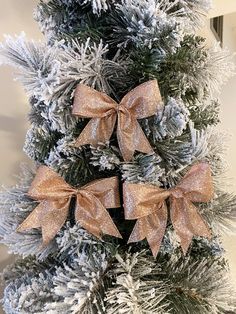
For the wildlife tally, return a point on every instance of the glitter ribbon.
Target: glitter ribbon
(142, 102)
(54, 195)
(146, 203)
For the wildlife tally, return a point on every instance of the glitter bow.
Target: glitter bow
(146, 203)
(142, 102)
(55, 196)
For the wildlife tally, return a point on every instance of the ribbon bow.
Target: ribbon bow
(146, 203)
(55, 196)
(142, 102)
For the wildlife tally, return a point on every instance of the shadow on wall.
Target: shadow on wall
(13, 126)
(12, 135)
(17, 16)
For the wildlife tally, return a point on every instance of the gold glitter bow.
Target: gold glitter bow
(146, 203)
(142, 102)
(55, 196)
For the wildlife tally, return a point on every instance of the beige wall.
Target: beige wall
(228, 123)
(222, 7)
(17, 16)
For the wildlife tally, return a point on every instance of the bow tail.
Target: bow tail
(48, 215)
(34, 218)
(187, 222)
(151, 227)
(196, 222)
(97, 130)
(141, 143)
(131, 137)
(93, 216)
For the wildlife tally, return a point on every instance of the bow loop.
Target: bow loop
(195, 184)
(141, 102)
(144, 100)
(48, 215)
(89, 103)
(55, 196)
(48, 185)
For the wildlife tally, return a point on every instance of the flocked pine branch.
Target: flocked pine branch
(26, 265)
(219, 68)
(86, 63)
(105, 157)
(193, 72)
(48, 71)
(71, 288)
(37, 64)
(55, 116)
(28, 294)
(39, 142)
(169, 122)
(183, 284)
(198, 285)
(218, 145)
(194, 10)
(76, 269)
(73, 240)
(172, 156)
(205, 114)
(60, 18)
(144, 168)
(221, 212)
(15, 206)
(70, 162)
(99, 5)
(146, 23)
(79, 287)
(134, 291)
(213, 66)
(200, 246)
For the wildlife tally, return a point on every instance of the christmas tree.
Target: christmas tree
(124, 209)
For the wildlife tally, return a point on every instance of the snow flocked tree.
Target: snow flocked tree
(114, 46)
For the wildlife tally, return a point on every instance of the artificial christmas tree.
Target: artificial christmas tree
(123, 211)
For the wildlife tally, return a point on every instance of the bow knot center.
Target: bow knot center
(177, 193)
(120, 108)
(81, 192)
